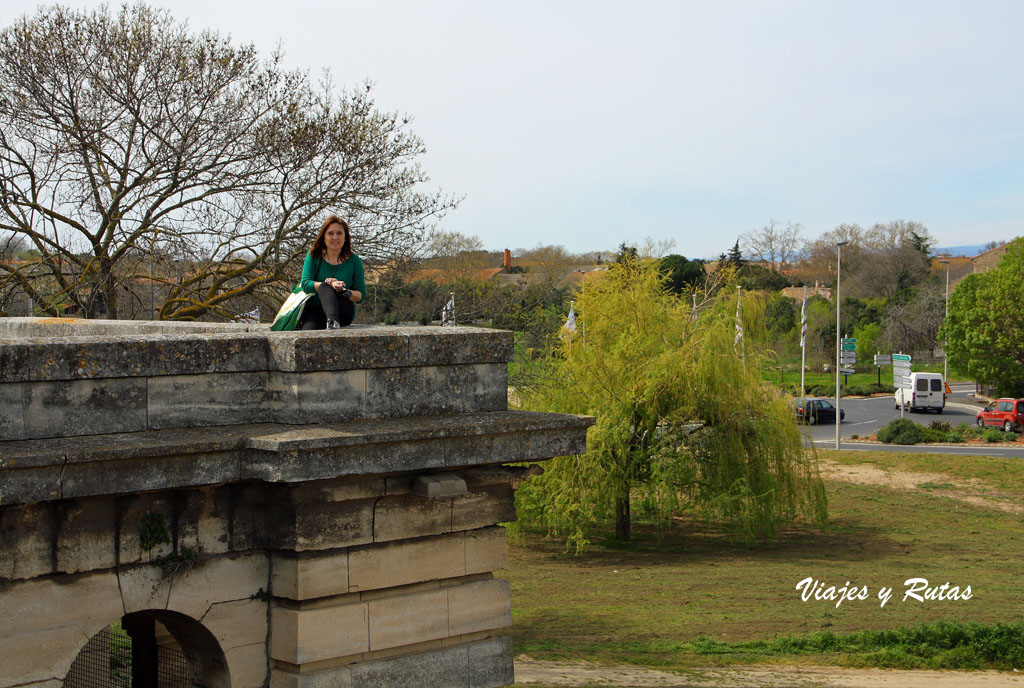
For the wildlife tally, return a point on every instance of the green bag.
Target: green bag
(288, 315)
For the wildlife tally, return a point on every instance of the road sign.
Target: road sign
(883, 359)
(849, 340)
(848, 347)
(903, 382)
(903, 358)
(848, 357)
(847, 371)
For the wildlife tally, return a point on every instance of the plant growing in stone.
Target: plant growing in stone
(683, 422)
(153, 531)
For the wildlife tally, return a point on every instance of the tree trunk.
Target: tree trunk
(622, 517)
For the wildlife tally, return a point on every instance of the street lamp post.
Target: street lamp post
(839, 273)
(945, 344)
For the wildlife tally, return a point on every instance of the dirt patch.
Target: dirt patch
(968, 491)
(534, 672)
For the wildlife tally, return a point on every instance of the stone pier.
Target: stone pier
(294, 510)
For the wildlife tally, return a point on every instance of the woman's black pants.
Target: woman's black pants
(331, 306)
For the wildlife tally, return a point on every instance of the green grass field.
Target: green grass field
(688, 595)
(866, 375)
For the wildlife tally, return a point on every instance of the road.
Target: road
(866, 415)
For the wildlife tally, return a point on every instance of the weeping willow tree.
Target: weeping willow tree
(684, 423)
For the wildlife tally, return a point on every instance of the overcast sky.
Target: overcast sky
(590, 123)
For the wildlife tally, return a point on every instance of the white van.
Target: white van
(927, 392)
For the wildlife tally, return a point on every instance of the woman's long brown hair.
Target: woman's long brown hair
(320, 245)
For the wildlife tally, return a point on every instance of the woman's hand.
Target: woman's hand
(339, 286)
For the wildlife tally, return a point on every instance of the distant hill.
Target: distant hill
(968, 251)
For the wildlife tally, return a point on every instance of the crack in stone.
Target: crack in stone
(60, 483)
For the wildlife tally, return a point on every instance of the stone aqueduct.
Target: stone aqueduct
(300, 510)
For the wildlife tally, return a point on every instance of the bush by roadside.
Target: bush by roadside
(847, 390)
(906, 431)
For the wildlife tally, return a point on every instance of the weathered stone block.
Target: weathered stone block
(124, 350)
(130, 510)
(386, 565)
(12, 410)
(310, 575)
(484, 664)
(214, 532)
(14, 359)
(492, 504)
(203, 521)
(39, 655)
(338, 677)
(340, 489)
(330, 525)
(84, 407)
(489, 663)
(84, 541)
(220, 579)
(45, 603)
(143, 587)
(26, 547)
(531, 443)
(159, 472)
(486, 550)
(237, 624)
(313, 635)
(248, 664)
(316, 397)
(363, 347)
(181, 401)
(480, 606)
(433, 486)
(408, 516)
(408, 619)
(395, 392)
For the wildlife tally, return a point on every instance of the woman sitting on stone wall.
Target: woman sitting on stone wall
(334, 275)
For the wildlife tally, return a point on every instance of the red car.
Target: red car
(1007, 414)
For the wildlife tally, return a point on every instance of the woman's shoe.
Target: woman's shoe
(333, 324)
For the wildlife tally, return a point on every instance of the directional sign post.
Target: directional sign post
(847, 355)
(881, 360)
(901, 373)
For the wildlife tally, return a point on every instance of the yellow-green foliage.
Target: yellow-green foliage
(683, 421)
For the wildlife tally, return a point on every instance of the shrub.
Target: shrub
(942, 425)
(993, 435)
(954, 437)
(900, 431)
(931, 434)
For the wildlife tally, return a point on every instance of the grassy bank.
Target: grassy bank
(687, 595)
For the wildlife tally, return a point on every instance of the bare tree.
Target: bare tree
(127, 142)
(913, 326)
(818, 263)
(457, 256)
(878, 262)
(775, 244)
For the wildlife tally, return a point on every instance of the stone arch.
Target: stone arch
(204, 655)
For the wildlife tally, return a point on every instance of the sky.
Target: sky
(589, 123)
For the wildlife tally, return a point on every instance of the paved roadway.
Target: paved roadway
(866, 416)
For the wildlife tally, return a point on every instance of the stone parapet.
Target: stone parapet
(63, 468)
(298, 510)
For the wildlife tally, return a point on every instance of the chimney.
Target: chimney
(508, 261)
